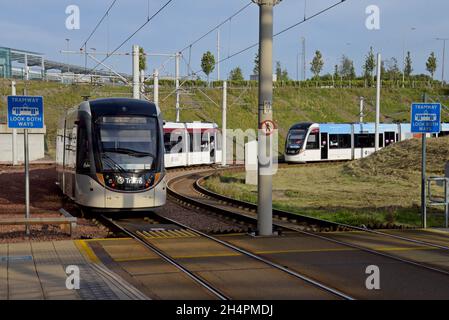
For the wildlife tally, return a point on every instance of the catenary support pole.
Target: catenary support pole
(444, 58)
(156, 87)
(362, 102)
(223, 124)
(178, 56)
(265, 115)
(142, 83)
(136, 87)
(379, 68)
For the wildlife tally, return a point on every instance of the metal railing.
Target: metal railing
(439, 200)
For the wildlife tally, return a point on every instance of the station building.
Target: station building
(29, 65)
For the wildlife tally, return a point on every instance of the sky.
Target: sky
(409, 25)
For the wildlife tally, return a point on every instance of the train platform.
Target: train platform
(407, 270)
(125, 269)
(37, 271)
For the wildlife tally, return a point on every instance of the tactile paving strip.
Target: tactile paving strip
(168, 234)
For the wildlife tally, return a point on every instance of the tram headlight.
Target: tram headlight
(157, 178)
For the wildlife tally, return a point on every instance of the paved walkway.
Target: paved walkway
(36, 270)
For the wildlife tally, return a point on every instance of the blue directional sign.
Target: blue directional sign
(426, 118)
(25, 112)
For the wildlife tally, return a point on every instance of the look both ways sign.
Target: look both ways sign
(25, 112)
(426, 118)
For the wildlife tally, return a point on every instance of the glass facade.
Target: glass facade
(5, 63)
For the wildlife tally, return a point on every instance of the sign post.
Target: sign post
(425, 118)
(26, 112)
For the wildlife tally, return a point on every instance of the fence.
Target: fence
(414, 84)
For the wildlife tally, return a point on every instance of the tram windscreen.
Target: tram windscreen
(127, 143)
(296, 137)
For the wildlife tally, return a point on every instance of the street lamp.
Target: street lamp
(444, 55)
(93, 54)
(68, 49)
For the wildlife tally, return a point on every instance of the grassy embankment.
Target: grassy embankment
(360, 192)
(290, 104)
(383, 188)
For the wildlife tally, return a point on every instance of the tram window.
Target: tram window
(130, 142)
(339, 141)
(364, 140)
(205, 142)
(195, 142)
(83, 159)
(218, 142)
(173, 142)
(313, 141)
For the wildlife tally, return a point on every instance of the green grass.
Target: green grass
(381, 189)
(291, 104)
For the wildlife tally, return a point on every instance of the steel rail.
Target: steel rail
(293, 215)
(322, 237)
(170, 260)
(265, 261)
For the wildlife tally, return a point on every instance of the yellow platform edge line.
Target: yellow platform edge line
(87, 251)
(135, 259)
(106, 239)
(338, 250)
(436, 231)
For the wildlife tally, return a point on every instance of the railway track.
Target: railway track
(185, 186)
(152, 232)
(186, 189)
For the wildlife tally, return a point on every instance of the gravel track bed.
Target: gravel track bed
(45, 201)
(200, 220)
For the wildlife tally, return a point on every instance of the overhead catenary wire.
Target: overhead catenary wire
(133, 34)
(186, 78)
(216, 27)
(98, 24)
(280, 32)
(189, 46)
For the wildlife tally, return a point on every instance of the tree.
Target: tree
(284, 75)
(317, 64)
(281, 75)
(142, 59)
(208, 64)
(336, 72)
(408, 69)
(392, 71)
(369, 66)
(256, 64)
(347, 69)
(278, 71)
(236, 74)
(431, 65)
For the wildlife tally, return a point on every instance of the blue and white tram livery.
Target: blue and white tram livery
(308, 142)
(110, 155)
